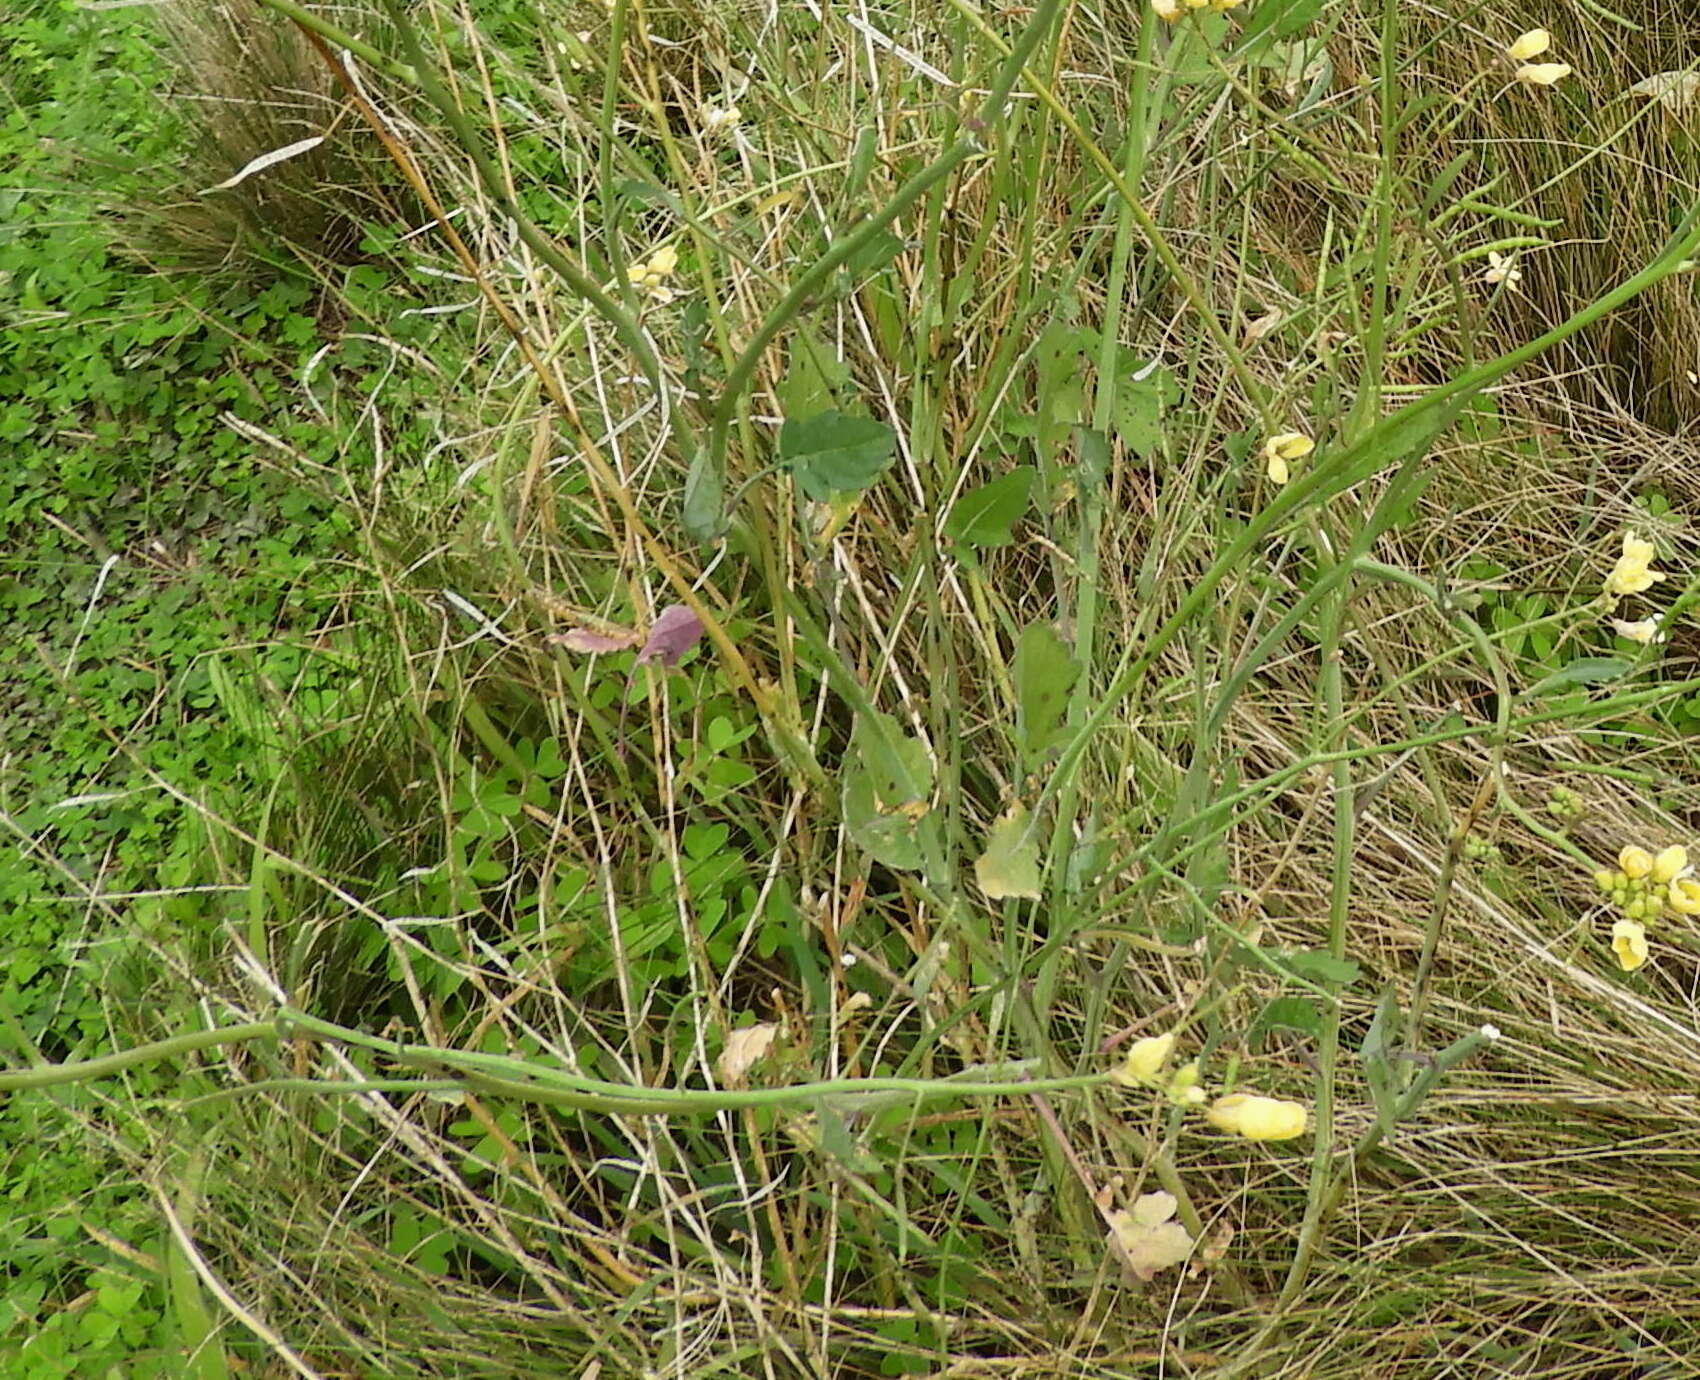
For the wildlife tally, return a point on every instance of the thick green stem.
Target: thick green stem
(81, 1070)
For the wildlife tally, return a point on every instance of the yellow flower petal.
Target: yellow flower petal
(1166, 9)
(1289, 445)
(1150, 1240)
(1635, 862)
(1671, 863)
(1282, 448)
(1633, 573)
(1530, 45)
(1683, 896)
(1543, 73)
(1629, 943)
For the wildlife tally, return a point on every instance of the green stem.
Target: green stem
(307, 19)
(80, 1070)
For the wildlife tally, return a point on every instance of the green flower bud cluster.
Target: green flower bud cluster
(1564, 803)
(1479, 850)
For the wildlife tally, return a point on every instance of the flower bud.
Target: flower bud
(1145, 1060)
(1257, 1118)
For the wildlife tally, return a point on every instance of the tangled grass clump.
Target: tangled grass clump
(1148, 536)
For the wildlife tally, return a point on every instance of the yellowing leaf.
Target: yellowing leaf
(743, 1048)
(1675, 91)
(1010, 864)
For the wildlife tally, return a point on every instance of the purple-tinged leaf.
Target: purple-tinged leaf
(587, 640)
(676, 631)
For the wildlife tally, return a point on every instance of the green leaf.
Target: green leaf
(1377, 1056)
(984, 516)
(894, 838)
(1586, 670)
(832, 453)
(1137, 412)
(1321, 966)
(1010, 864)
(1044, 672)
(1285, 1013)
(1281, 18)
(898, 767)
(812, 378)
(1094, 461)
(1060, 390)
(876, 253)
(886, 790)
(704, 514)
(1403, 510)
(1383, 1030)
(1442, 183)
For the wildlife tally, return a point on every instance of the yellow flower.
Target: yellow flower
(1543, 73)
(650, 277)
(1145, 1060)
(1635, 862)
(1530, 45)
(1222, 6)
(1634, 571)
(1629, 943)
(1286, 446)
(1645, 632)
(1167, 9)
(1671, 863)
(1684, 896)
(1257, 1118)
(1502, 268)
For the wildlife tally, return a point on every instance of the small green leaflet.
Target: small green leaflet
(984, 516)
(833, 453)
(1284, 1013)
(897, 765)
(812, 377)
(1281, 18)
